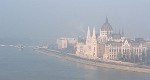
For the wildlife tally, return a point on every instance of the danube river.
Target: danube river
(27, 64)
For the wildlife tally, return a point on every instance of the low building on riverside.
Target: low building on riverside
(63, 42)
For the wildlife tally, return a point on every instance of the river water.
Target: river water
(27, 64)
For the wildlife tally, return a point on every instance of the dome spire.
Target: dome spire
(106, 19)
(106, 26)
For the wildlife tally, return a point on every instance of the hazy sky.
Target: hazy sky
(47, 19)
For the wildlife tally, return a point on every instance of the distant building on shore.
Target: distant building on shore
(63, 43)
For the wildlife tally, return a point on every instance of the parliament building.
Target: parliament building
(110, 45)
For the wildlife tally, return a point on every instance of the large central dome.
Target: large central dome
(106, 26)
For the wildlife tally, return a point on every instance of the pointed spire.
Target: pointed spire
(106, 19)
(88, 38)
(94, 41)
(119, 31)
(94, 35)
(122, 33)
(88, 33)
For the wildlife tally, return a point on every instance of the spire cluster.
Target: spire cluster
(89, 33)
(91, 38)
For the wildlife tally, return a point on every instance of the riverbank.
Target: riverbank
(92, 62)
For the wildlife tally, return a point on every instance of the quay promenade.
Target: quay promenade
(77, 59)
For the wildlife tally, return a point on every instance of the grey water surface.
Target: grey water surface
(26, 64)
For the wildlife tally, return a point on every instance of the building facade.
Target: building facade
(89, 47)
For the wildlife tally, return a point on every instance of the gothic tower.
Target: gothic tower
(88, 38)
(94, 44)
